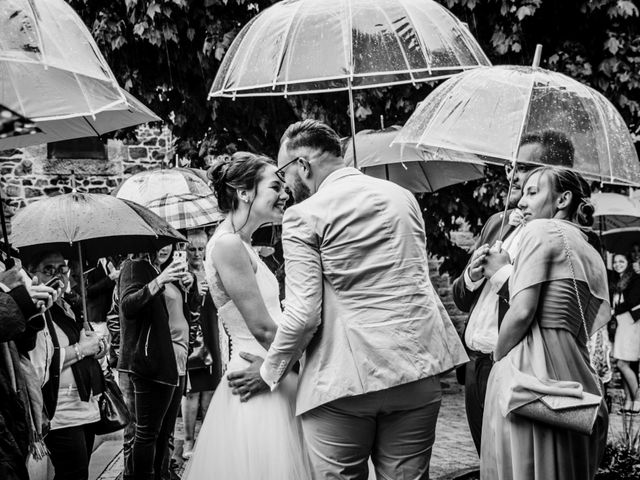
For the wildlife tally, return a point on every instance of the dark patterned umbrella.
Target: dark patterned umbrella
(89, 225)
(13, 124)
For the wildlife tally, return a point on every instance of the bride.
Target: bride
(260, 439)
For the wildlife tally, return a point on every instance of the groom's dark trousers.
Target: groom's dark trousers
(401, 421)
(477, 370)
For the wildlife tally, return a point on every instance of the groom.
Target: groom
(359, 302)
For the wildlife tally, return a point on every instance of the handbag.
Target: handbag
(563, 411)
(114, 414)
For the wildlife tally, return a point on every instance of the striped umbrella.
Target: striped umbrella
(187, 210)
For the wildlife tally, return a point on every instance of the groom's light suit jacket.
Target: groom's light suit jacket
(358, 295)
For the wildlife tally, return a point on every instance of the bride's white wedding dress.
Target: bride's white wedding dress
(256, 440)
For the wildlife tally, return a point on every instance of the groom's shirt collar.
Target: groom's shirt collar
(338, 174)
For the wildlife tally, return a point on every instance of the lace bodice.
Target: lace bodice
(236, 328)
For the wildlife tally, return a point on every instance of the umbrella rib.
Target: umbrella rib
(435, 114)
(465, 39)
(284, 46)
(527, 106)
(37, 28)
(606, 134)
(423, 47)
(422, 167)
(250, 50)
(347, 60)
(351, 64)
(293, 35)
(402, 50)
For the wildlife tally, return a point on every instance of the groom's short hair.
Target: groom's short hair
(312, 134)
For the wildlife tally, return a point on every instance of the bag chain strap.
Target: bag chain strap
(567, 250)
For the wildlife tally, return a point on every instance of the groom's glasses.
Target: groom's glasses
(280, 171)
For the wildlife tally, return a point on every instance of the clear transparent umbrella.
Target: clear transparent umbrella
(484, 114)
(52, 71)
(122, 115)
(50, 66)
(312, 46)
(152, 185)
(409, 167)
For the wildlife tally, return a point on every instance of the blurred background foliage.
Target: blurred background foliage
(167, 53)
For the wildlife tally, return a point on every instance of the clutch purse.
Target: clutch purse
(571, 413)
(114, 414)
(564, 411)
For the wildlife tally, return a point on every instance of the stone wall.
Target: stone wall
(27, 173)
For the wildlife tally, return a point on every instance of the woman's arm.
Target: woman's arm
(517, 320)
(88, 346)
(631, 299)
(135, 292)
(232, 263)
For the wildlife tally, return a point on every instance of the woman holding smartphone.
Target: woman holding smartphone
(156, 294)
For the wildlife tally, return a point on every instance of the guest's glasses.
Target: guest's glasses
(51, 270)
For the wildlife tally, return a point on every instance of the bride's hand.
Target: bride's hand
(248, 383)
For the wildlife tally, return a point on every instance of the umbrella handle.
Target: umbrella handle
(353, 123)
(537, 56)
(506, 202)
(83, 292)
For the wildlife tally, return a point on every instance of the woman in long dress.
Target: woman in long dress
(543, 335)
(260, 439)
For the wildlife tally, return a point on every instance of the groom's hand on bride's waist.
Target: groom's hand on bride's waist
(248, 383)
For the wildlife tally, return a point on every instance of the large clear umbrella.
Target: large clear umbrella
(50, 66)
(311, 46)
(84, 225)
(125, 114)
(408, 167)
(485, 114)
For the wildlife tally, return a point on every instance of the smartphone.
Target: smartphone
(110, 267)
(180, 256)
(54, 283)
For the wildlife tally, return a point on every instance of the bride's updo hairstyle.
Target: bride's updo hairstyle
(241, 171)
(580, 209)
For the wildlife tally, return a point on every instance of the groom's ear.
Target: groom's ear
(304, 167)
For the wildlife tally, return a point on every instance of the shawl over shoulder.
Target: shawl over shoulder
(543, 258)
